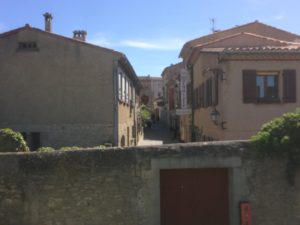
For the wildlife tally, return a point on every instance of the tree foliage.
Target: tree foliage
(145, 114)
(11, 141)
(280, 138)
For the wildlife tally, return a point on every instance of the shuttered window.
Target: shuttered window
(267, 87)
(196, 97)
(206, 94)
(249, 86)
(215, 91)
(263, 87)
(289, 86)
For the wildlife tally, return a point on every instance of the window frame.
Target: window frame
(267, 98)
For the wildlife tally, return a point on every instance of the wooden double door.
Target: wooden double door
(194, 196)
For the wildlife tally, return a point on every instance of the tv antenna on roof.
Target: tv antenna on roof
(213, 29)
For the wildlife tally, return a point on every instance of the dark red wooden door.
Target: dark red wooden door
(194, 196)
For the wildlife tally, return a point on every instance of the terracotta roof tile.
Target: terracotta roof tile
(269, 49)
(254, 28)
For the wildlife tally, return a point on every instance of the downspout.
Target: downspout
(191, 70)
(115, 103)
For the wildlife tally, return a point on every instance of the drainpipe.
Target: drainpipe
(115, 103)
(191, 71)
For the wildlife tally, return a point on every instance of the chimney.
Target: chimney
(79, 35)
(48, 20)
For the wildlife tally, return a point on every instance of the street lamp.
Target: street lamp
(214, 115)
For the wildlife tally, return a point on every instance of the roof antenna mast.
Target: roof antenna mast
(212, 21)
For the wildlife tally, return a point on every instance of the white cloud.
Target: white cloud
(278, 17)
(139, 44)
(166, 44)
(155, 44)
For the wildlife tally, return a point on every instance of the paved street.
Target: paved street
(158, 134)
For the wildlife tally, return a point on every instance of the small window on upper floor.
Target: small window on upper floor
(263, 87)
(267, 86)
(27, 46)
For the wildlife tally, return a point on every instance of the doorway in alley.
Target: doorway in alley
(194, 196)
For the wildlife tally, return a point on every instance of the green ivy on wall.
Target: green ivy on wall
(280, 138)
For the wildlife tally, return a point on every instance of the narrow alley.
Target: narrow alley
(158, 134)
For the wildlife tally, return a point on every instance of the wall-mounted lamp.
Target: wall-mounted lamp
(215, 117)
(216, 71)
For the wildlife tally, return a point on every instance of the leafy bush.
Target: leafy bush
(70, 148)
(11, 141)
(46, 149)
(281, 138)
(74, 148)
(145, 114)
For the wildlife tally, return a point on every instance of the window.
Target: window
(133, 96)
(123, 88)
(206, 94)
(35, 140)
(120, 85)
(267, 87)
(130, 93)
(126, 91)
(263, 87)
(27, 46)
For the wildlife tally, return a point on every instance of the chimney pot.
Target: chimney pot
(48, 20)
(79, 35)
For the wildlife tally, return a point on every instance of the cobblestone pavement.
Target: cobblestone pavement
(158, 134)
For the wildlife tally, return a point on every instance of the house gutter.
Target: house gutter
(115, 102)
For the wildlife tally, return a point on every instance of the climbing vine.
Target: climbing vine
(280, 138)
(11, 141)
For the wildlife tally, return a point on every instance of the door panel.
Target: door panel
(194, 196)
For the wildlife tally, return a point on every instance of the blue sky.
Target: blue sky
(150, 32)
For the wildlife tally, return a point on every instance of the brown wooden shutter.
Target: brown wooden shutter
(249, 86)
(289, 86)
(195, 98)
(202, 95)
(215, 90)
(198, 99)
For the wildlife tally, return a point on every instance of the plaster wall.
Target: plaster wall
(244, 120)
(241, 120)
(63, 83)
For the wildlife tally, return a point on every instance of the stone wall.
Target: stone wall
(64, 90)
(63, 135)
(121, 186)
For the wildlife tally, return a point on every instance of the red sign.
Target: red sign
(245, 210)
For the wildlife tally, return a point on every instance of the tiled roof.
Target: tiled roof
(268, 49)
(245, 34)
(254, 28)
(289, 48)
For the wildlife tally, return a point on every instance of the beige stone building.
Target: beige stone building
(61, 91)
(177, 92)
(242, 78)
(151, 89)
